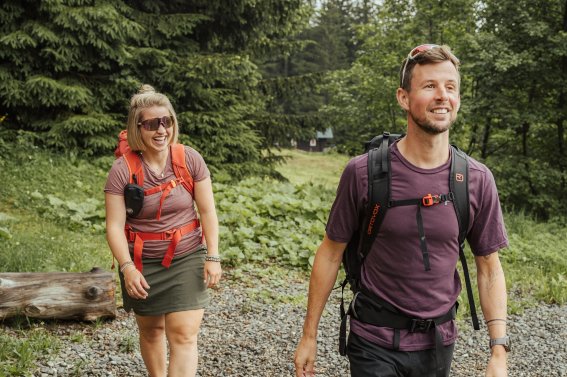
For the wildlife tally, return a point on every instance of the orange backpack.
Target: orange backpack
(136, 177)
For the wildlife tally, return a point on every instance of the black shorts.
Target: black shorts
(368, 359)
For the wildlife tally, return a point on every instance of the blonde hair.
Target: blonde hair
(145, 98)
(437, 54)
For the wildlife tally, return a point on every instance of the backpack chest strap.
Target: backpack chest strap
(427, 201)
(173, 235)
(165, 189)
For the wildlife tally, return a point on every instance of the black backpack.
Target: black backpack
(379, 176)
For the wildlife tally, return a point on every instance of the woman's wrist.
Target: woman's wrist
(212, 258)
(126, 265)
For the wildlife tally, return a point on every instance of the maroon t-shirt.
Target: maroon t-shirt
(394, 269)
(178, 207)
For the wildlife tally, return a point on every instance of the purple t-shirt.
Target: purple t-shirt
(178, 207)
(394, 269)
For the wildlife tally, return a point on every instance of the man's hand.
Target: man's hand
(497, 365)
(305, 357)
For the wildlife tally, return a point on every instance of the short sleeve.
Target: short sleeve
(344, 216)
(487, 231)
(196, 164)
(117, 177)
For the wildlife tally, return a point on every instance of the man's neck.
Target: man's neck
(424, 150)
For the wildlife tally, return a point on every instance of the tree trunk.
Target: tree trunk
(485, 138)
(64, 295)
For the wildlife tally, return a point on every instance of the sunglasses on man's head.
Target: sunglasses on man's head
(154, 123)
(412, 54)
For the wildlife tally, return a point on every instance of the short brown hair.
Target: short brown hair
(433, 55)
(145, 98)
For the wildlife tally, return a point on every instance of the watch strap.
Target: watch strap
(504, 341)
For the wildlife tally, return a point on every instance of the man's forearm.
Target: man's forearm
(492, 293)
(323, 277)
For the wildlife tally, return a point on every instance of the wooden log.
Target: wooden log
(63, 295)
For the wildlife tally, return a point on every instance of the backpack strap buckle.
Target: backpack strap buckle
(429, 200)
(421, 325)
(168, 234)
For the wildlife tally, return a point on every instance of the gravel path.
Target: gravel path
(252, 328)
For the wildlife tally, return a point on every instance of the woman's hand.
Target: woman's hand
(213, 272)
(135, 283)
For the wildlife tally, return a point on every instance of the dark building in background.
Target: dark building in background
(318, 143)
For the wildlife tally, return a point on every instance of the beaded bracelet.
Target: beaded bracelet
(212, 258)
(126, 264)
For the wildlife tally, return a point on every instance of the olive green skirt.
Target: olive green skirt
(177, 288)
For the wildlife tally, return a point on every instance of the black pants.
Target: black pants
(370, 360)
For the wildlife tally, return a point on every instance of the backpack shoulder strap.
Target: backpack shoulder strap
(180, 168)
(379, 174)
(459, 187)
(135, 170)
(378, 198)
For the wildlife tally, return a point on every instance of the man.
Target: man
(393, 271)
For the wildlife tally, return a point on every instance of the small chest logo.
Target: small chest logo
(459, 177)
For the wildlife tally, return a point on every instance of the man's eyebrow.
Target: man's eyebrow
(429, 81)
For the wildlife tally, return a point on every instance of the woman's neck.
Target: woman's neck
(156, 160)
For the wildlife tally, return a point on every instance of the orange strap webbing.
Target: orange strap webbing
(180, 167)
(134, 164)
(174, 235)
(165, 189)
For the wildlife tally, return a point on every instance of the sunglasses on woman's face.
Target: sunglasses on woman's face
(412, 54)
(154, 123)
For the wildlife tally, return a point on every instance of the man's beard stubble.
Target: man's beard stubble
(430, 128)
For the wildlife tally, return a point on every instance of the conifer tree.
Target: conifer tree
(62, 70)
(68, 68)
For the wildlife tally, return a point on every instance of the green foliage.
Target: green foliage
(60, 62)
(68, 68)
(513, 112)
(52, 209)
(540, 249)
(518, 67)
(268, 221)
(18, 354)
(294, 77)
(58, 178)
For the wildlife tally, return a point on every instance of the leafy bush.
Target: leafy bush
(266, 220)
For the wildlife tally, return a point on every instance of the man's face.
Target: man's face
(434, 100)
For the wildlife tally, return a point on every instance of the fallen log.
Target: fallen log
(84, 296)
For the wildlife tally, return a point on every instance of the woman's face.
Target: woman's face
(156, 141)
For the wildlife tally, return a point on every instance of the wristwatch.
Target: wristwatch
(504, 341)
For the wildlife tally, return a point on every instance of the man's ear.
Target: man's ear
(402, 97)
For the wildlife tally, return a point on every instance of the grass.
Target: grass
(21, 343)
(317, 168)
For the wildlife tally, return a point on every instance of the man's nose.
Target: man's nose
(441, 93)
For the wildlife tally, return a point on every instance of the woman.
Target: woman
(168, 298)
